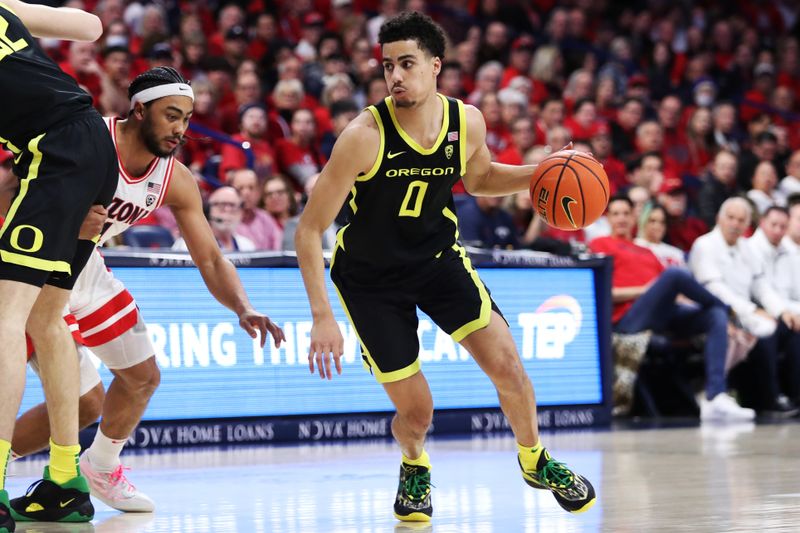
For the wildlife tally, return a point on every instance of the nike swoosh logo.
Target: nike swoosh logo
(64, 504)
(565, 203)
(391, 155)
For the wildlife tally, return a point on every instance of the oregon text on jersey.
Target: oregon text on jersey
(394, 172)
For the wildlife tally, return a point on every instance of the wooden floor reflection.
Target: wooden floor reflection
(716, 478)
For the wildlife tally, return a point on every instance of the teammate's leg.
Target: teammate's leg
(414, 404)
(32, 430)
(63, 494)
(16, 301)
(127, 398)
(494, 350)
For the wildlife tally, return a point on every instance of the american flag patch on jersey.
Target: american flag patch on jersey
(154, 188)
(452, 136)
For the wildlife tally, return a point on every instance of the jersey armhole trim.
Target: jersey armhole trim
(462, 136)
(167, 181)
(378, 160)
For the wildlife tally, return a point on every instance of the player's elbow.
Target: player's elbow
(93, 28)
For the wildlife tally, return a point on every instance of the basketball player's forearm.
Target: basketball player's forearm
(312, 267)
(503, 180)
(225, 286)
(58, 23)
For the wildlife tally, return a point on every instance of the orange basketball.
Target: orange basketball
(569, 190)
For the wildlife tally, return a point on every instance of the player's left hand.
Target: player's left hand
(254, 323)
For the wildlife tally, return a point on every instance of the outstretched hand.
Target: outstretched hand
(326, 341)
(255, 323)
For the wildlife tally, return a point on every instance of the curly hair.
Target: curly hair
(412, 25)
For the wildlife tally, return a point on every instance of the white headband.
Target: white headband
(160, 91)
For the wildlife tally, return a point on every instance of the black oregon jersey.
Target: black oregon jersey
(402, 210)
(34, 93)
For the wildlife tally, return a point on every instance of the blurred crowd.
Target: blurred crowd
(690, 106)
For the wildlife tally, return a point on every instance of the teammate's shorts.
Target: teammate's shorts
(382, 306)
(63, 172)
(89, 375)
(109, 321)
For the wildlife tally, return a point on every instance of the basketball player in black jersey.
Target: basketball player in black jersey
(65, 159)
(397, 161)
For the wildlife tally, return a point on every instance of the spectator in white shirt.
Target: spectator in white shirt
(790, 184)
(791, 241)
(652, 228)
(722, 262)
(764, 193)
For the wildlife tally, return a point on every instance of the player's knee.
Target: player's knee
(143, 378)
(417, 419)
(506, 369)
(46, 331)
(90, 406)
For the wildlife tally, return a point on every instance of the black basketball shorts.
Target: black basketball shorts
(63, 172)
(382, 306)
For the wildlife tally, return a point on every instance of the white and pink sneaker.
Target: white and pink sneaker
(114, 489)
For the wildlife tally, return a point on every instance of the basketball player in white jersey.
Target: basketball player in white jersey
(161, 105)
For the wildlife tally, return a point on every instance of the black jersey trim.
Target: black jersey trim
(409, 140)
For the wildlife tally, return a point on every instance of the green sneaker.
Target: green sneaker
(413, 501)
(7, 524)
(572, 491)
(47, 501)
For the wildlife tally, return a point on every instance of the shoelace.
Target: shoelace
(417, 485)
(556, 474)
(33, 486)
(118, 475)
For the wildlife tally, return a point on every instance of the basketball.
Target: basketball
(569, 190)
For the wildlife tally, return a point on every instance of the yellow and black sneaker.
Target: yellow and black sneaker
(47, 501)
(413, 502)
(572, 491)
(7, 524)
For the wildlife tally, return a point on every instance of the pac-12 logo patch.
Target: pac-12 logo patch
(150, 200)
(448, 151)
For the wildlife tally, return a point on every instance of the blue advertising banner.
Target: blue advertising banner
(212, 370)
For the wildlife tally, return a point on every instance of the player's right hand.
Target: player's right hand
(326, 342)
(93, 223)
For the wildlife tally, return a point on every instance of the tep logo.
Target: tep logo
(565, 304)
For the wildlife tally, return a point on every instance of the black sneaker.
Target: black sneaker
(782, 407)
(7, 524)
(572, 491)
(46, 501)
(413, 502)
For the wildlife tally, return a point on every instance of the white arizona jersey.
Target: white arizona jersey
(135, 198)
(102, 305)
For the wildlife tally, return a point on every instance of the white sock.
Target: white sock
(104, 452)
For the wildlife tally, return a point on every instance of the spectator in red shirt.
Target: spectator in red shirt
(299, 157)
(580, 86)
(229, 16)
(256, 224)
(551, 115)
(522, 140)
(699, 142)
(602, 149)
(115, 76)
(519, 60)
(498, 138)
(623, 129)
(674, 137)
(287, 97)
(645, 296)
(246, 91)
(253, 131)
(583, 121)
(682, 228)
(82, 65)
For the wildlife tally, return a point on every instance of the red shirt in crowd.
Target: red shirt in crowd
(634, 266)
(234, 158)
